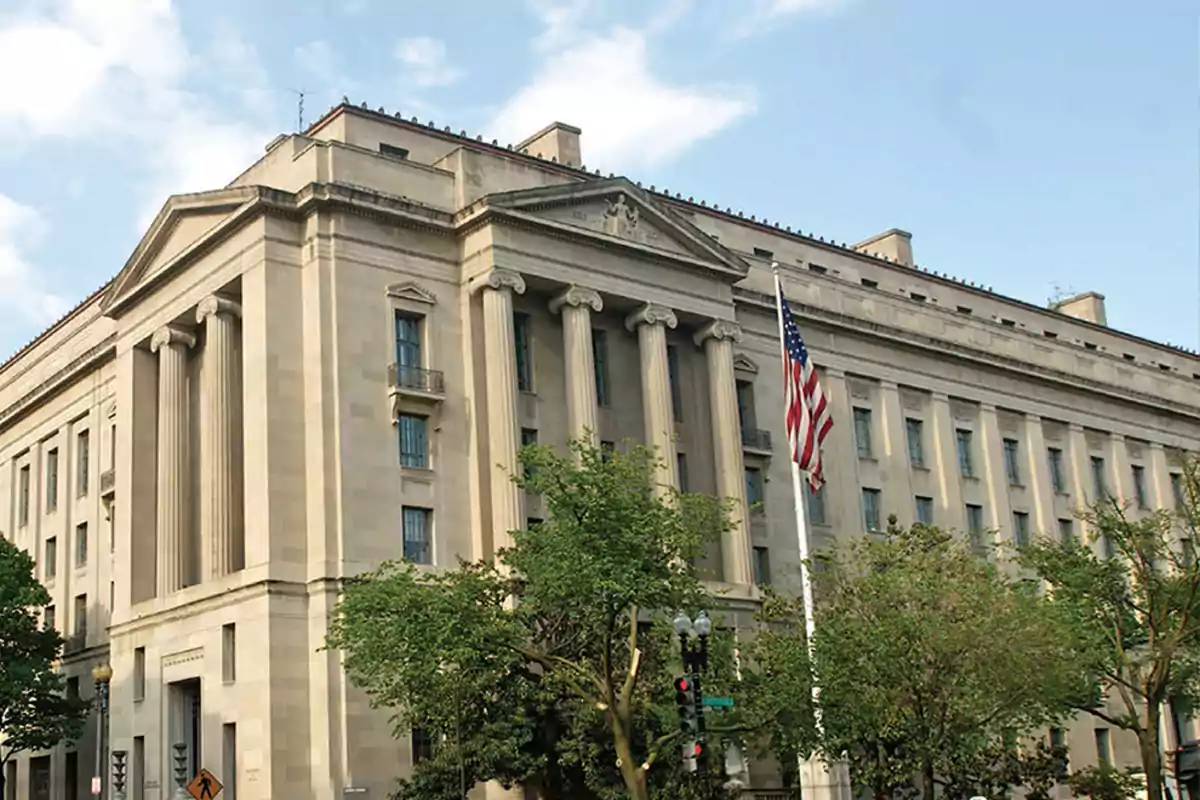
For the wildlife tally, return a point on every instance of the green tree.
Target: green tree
(35, 713)
(1135, 612)
(930, 662)
(555, 666)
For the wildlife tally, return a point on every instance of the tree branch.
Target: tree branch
(635, 657)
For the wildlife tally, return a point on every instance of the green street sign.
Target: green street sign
(718, 702)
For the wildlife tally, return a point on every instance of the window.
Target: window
(48, 617)
(50, 565)
(533, 522)
(83, 446)
(920, 298)
(81, 616)
(862, 431)
(606, 450)
(1066, 531)
(23, 497)
(1139, 485)
(600, 359)
(422, 745)
(816, 504)
(1103, 746)
(1012, 465)
(229, 745)
(870, 503)
(975, 526)
(529, 437)
(417, 542)
(1057, 478)
(139, 673)
(1021, 528)
(1008, 323)
(1177, 490)
(745, 401)
(112, 447)
(673, 377)
(1099, 485)
(817, 268)
(924, 510)
(870, 284)
(392, 151)
(81, 545)
(137, 769)
(914, 429)
(524, 346)
(52, 480)
(963, 309)
(966, 463)
(229, 652)
(1058, 740)
(414, 441)
(1107, 547)
(762, 566)
(754, 488)
(762, 252)
(408, 345)
(681, 471)
(73, 688)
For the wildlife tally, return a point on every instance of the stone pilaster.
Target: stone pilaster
(897, 475)
(500, 351)
(999, 510)
(1081, 477)
(717, 338)
(651, 323)
(221, 514)
(1161, 495)
(1120, 473)
(577, 305)
(171, 345)
(1041, 489)
(949, 513)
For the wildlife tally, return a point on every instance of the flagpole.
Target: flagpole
(806, 588)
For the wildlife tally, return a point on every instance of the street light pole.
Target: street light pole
(102, 675)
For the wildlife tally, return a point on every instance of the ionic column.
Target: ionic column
(717, 338)
(1037, 464)
(171, 344)
(500, 352)
(897, 478)
(995, 471)
(651, 322)
(577, 305)
(950, 512)
(222, 538)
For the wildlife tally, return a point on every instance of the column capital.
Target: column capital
(939, 397)
(651, 314)
(576, 296)
(1075, 427)
(888, 385)
(216, 304)
(498, 278)
(170, 334)
(1033, 419)
(1157, 446)
(719, 329)
(987, 408)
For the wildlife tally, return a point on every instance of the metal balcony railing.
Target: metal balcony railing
(108, 482)
(75, 642)
(756, 439)
(416, 379)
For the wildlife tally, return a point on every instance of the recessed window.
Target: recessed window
(600, 360)
(681, 471)
(1050, 334)
(920, 298)
(1089, 345)
(924, 510)
(1139, 485)
(673, 378)
(914, 431)
(522, 336)
(963, 439)
(870, 505)
(81, 545)
(1021, 528)
(1103, 746)
(816, 504)
(414, 441)
(418, 540)
(1057, 477)
(1012, 465)
(1129, 356)
(870, 284)
(139, 673)
(48, 617)
(1066, 531)
(50, 567)
(229, 652)
(81, 620)
(817, 268)
(423, 745)
(1165, 367)
(529, 437)
(392, 151)
(754, 488)
(52, 480)
(1008, 323)
(964, 309)
(83, 447)
(23, 497)
(1099, 484)
(1177, 490)
(862, 431)
(762, 566)
(763, 253)
(975, 526)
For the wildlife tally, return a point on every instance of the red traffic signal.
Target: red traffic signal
(683, 684)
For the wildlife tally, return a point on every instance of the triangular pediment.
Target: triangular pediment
(743, 363)
(413, 292)
(620, 212)
(184, 222)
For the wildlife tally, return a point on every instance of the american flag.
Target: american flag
(808, 420)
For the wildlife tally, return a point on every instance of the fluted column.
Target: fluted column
(577, 305)
(1081, 474)
(171, 344)
(717, 338)
(950, 512)
(500, 351)
(651, 322)
(1041, 489)
(897, 472)
(221, 529)
(995, 471)
(1120, 473)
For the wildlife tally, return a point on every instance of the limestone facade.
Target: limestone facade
(333, 360)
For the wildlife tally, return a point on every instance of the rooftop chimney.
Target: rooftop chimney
(558, 141)
(1087, 306)
(893, 243)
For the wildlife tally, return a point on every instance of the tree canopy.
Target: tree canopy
(1134, 608)
(553, 667)
(35, 713)
(930, 662)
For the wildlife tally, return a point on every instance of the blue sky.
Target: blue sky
(1034, 147)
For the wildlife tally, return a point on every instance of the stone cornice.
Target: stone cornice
(943, 349)
(86, 363)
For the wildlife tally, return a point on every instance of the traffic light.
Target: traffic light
(685, 703)
(701, 757)
(689, 757)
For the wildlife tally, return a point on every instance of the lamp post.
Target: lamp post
(102, 675)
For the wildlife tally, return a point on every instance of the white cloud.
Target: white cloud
(24, 294)
(605, 84)
(766, 14)
(426, 63)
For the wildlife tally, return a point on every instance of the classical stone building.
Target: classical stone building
(331, 362)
